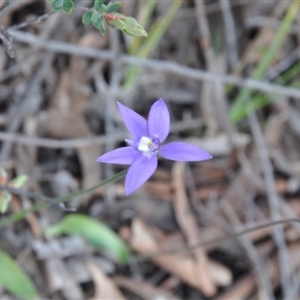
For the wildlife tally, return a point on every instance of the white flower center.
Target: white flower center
(145, 144)
(148, 146)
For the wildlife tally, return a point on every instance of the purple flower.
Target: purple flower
(146, 144)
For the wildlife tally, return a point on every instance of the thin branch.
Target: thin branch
(41, 18)
(230, 32)
(154, 64)
(85, 142)
(215, 241)
(6, 6)
(25, 106)
(263, 281)
(283, 65)
(270, 22)
(33, 21)
(7, 44)
(273, 200)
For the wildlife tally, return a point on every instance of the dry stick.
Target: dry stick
(33, 21)
(86, 142)
(214, 93)
(39, 19)
(215, 241)
(154, 64)
(286, 62)
(262, 280)
(25, 106)
(28, 104)
(208, 92)
(230, 33)
(7, 44)
(272, 199)
(269, 22)
(189, 228)
(5, 6)
(26, 63)
(289, 212)
(247, 174)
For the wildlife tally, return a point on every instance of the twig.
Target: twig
(214, 241)
(230, 33)
(25, 106)
(33, 21)
(40, 19)
(208, 89)
(154, 64)
(7, 44)
(270, 22)
(6, 5)
(263, 281)
(273, 201)
(189, 228)
(85, 142)
(283, 65)
(25, 64)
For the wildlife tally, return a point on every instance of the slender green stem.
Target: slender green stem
(22, 214)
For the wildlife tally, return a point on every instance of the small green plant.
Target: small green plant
(102, 15)
(5, 197)
(62, 5)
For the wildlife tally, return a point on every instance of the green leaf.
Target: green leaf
(65, 5)
(98, 5)
(133, 28)
(101, 26)
(14, 280)
(118, 24)
(112, 7)
(135, 32)
(68, 6)
(57, 5)
(86, 18)
(99, 22)
(18, 182)
(130, 22)
(5, 198)
(96, 233)
(95, 18)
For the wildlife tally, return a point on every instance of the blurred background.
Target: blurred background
(229, 71)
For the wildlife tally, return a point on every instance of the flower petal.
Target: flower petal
(159, 120)
(133, 142)
(183, 152)
(123, 156)
(135, 123)
(139, 172)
